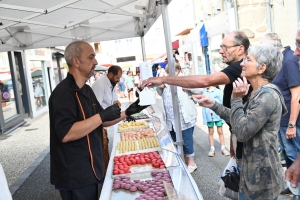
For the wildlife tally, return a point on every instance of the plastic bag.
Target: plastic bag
(231, 179)
(223, 191)
(226, 192)
(147, 97)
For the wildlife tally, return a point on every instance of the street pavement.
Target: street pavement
(26, 160)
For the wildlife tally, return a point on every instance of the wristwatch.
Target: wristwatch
(291, 125)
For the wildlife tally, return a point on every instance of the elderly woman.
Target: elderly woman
(256, 123)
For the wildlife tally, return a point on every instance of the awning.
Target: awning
(36, 73)
(106, 65)
(126, 67)
(175, 44)
(34, 24)
(101, 68)
(160, 58)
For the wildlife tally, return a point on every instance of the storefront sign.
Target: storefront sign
(203, 37)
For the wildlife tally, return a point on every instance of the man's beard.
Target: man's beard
(112, 82)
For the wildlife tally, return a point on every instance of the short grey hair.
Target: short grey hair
(240, 38)
(177, 67)
(270, 56)
(73, 50)
(271, 38)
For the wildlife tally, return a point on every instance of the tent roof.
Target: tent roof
(34, 24)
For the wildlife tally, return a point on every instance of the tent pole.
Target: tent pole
(171, 65)
(143, 48)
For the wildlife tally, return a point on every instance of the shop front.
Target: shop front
(41, 79)
(12, 111)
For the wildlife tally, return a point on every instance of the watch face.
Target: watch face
(291, 125)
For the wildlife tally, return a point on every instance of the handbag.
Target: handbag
(231, 179)
(224, 190)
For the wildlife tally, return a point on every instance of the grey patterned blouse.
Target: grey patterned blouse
(262, 176)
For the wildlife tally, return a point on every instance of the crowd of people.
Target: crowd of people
(260, 105)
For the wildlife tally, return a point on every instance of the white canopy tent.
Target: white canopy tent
(34, 24)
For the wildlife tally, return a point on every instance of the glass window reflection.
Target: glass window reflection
(7, 96)
(38, 84)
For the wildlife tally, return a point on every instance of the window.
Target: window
(118, 45)
(129, 44)
(97, 47)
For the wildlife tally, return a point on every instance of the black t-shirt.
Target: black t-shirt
(70, 162)
(233, 71)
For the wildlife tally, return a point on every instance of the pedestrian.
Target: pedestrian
(293, 172)
(76, 121)
(122, 85)
(210, 118)
(106, 94)
(256, 123)
(288, 82)
(136, 80)
(188, 118)
(233, 49)
(38, 94)
(129, 85)
(160, 71)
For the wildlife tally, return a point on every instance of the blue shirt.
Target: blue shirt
(288, 77)
(129, 82)
(207, 114)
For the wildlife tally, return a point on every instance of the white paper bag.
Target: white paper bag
(5, 193)
(147, 97)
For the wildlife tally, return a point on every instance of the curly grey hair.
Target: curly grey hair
(270, 56)
(73, 50)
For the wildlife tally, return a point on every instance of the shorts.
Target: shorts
(130, 90)
(211, 124)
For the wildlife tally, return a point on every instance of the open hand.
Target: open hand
(240, 88)
(204, 101)
(292, 174)
(152, 82)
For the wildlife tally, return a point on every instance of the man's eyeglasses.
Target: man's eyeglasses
(225, 47)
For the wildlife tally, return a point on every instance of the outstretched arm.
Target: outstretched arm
(193, 81)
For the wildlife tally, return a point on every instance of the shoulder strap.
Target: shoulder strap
(88, 138)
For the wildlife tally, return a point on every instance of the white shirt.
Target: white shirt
(104, 91)
(168, 105)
